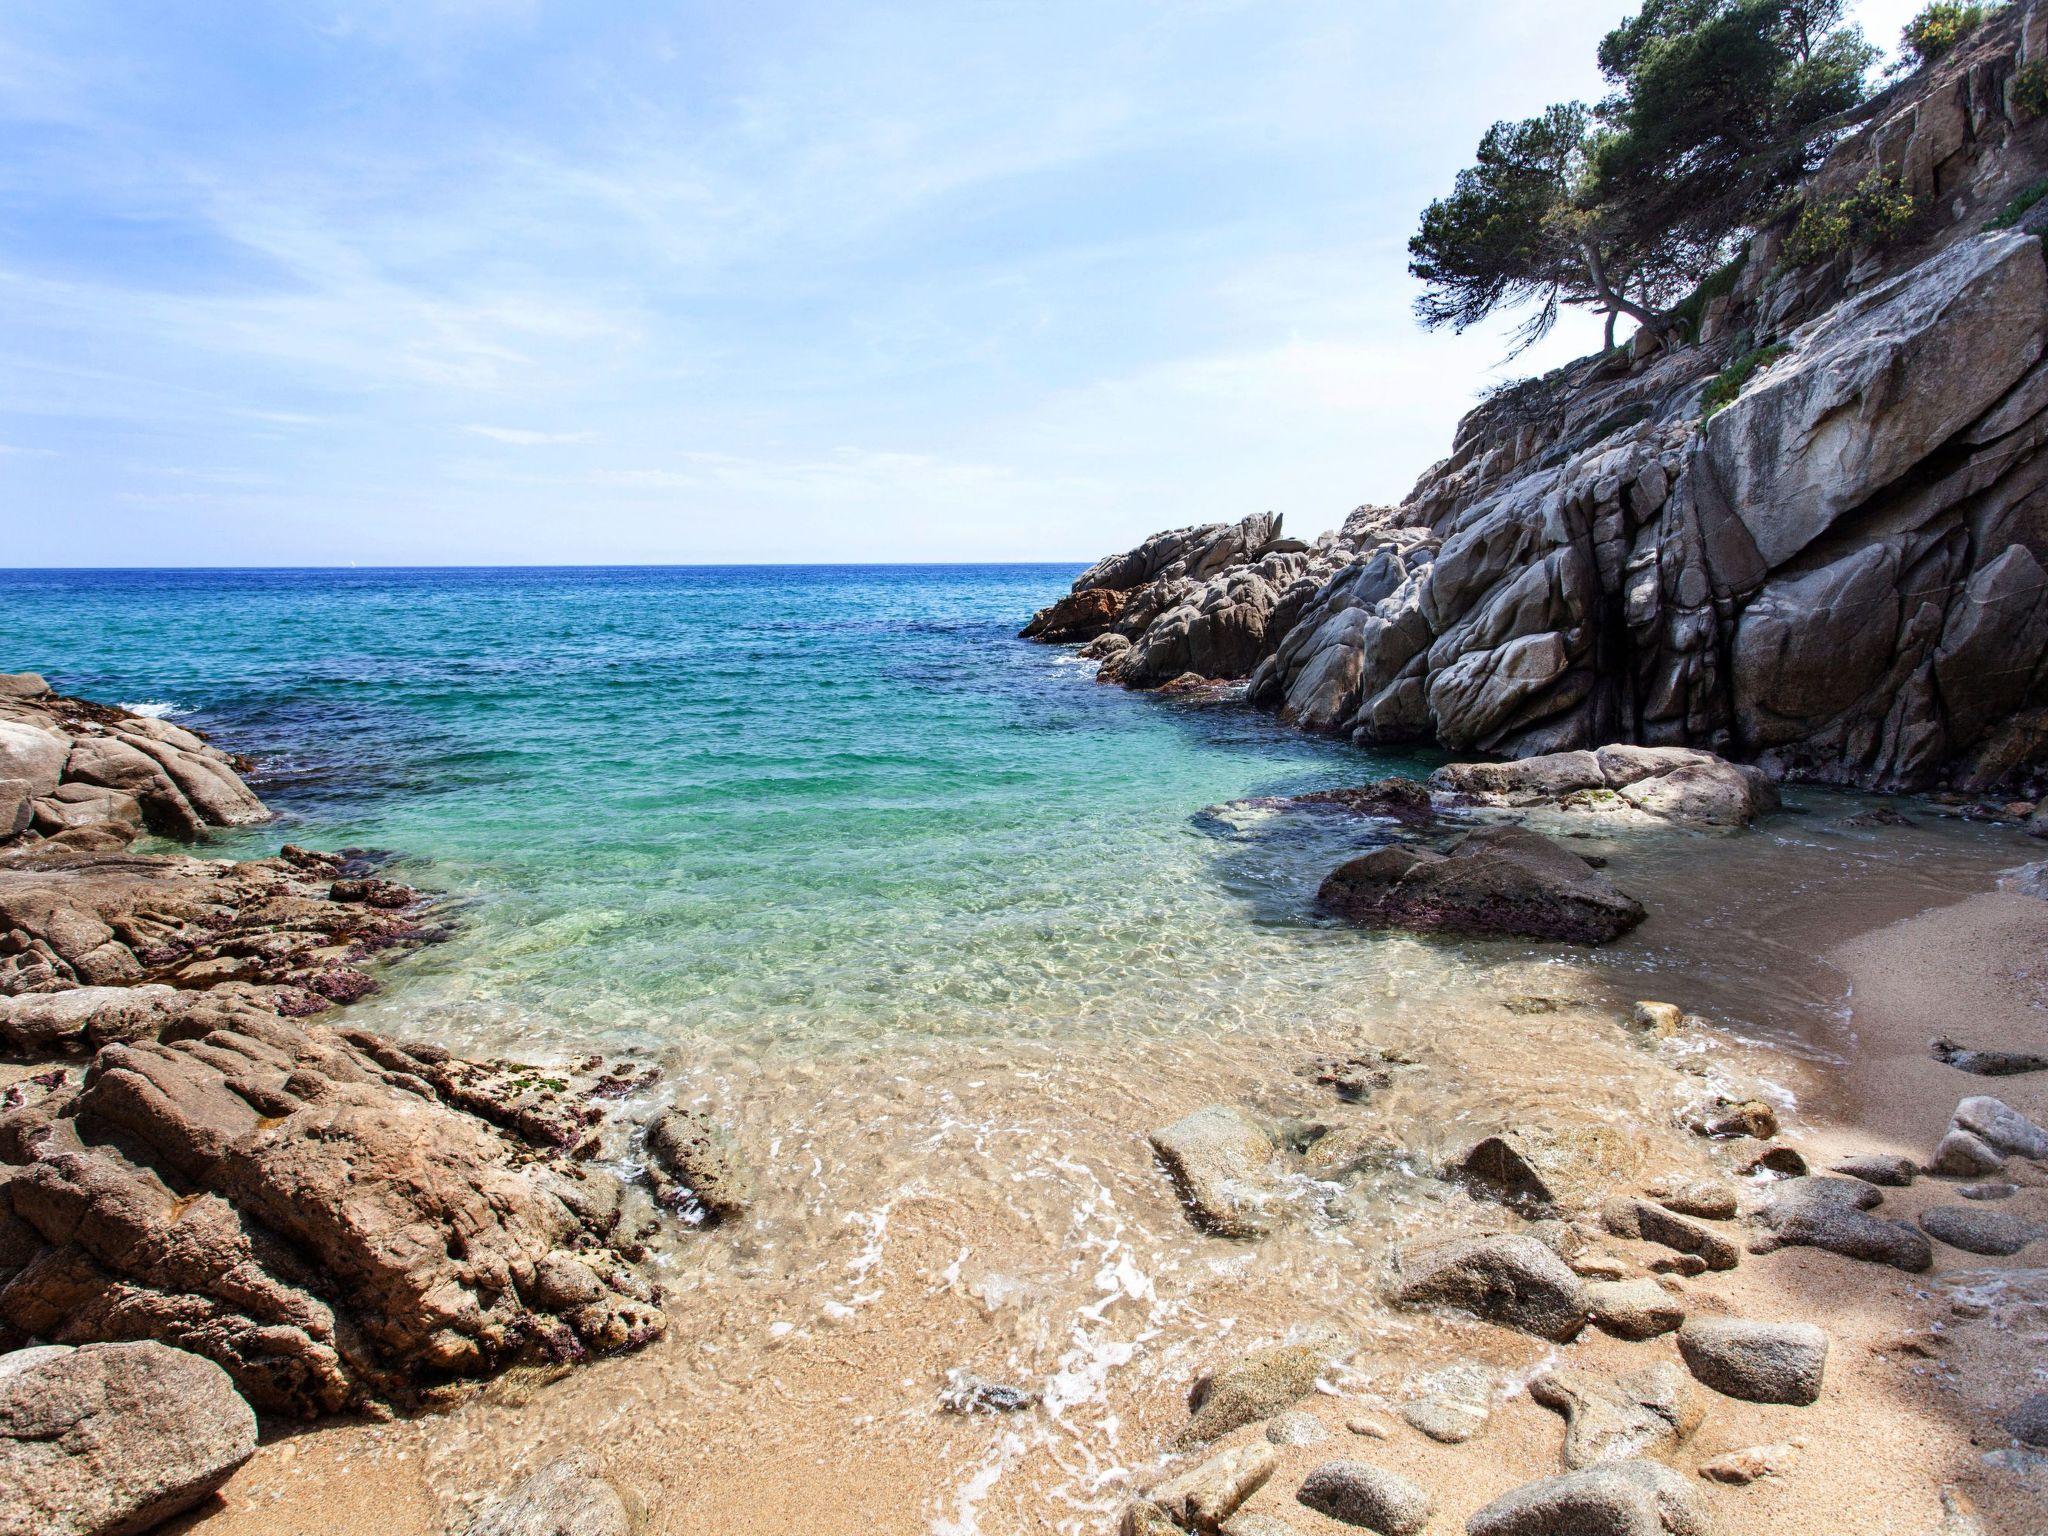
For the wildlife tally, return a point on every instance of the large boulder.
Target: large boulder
(113, 1439)
(1662, 784)
(1499, 881)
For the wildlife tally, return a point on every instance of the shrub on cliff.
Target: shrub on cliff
(1718, 107)
(1937, 29)
(1874, 212)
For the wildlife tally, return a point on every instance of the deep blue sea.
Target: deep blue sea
(800, 798)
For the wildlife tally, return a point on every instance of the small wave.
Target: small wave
(155, 709)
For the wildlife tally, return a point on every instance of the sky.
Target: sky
(418, 282)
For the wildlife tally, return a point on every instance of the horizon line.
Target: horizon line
(647, 565)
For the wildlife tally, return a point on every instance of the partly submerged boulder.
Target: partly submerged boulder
(1218, 1159)
(1499, 881)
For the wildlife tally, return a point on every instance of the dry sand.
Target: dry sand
(797, 1391)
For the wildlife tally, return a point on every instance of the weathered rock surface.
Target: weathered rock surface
(1975, 1230)
(1218, 1159)
(301, 1206)
(1249, 1389)
(1884, 1168)
(1359, 1493)
(1209, 1493)
(1839, 576)
(1660, 784)
(1999, 1125)
(1757, 1362)
(91, 777)
(1504, 1278)
(113, 1439)
(696, 1166)
(1497, 881)
(1834, 1214)
(564, 1498)
(97, 947)
(1631, 1498)
(1645, 1413)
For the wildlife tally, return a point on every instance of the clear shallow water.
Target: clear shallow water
(744, 799)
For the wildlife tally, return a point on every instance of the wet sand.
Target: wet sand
(992, 1205)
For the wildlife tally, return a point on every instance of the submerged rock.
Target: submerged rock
(1218, 1160)
(564, 1498)
(1209, 1493)
(1249, 1389)
(110, 1439)
(695, 1162)
(1498, 881)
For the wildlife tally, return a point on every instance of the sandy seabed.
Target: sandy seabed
(993, 1206)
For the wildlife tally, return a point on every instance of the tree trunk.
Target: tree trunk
(1611, 299)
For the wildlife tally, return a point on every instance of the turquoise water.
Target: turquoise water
(794, 802)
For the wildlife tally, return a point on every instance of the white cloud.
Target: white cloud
(523, 438)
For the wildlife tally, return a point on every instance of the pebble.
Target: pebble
(1975, 1230)
(1727, 1118)
(1706, 1198)
(1634, 1309)
(1447, 1420)
(1371, 1428)
(1741, 1468)
(1757, 1362)
(1204, 1496)
(1360, 1493)
(1295, 1428)
(1659, 1019)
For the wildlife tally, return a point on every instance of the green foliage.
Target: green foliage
(1874, 212)
(2030, 89)
(1500, 238)
(1717, 109)
(1937, 29)
(2017, 209)
(1732, 380)
(1689, 312)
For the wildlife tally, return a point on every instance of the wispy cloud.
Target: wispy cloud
(523, 438)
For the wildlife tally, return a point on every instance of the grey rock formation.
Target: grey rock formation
(1504, 1278)
(1631, 1498)
(1626, 1216)
(1839, 576)
(1757, 1362)
(1634, 1309)
(113, 1439)
(1975, 1230)
(1661, 784)
(1498, 881)
(1359, 1493)
(1834, 1214)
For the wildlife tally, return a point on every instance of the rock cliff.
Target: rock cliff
(1811, 534)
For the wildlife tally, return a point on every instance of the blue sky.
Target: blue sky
(512, 281)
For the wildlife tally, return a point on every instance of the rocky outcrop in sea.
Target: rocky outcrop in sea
(1812, 538)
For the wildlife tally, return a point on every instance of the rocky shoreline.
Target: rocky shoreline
(1836, 572)
(212, 1187)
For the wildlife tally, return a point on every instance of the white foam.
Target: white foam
(155, 709)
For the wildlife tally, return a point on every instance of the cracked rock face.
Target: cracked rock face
(1841, 576)
(302, 1208)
